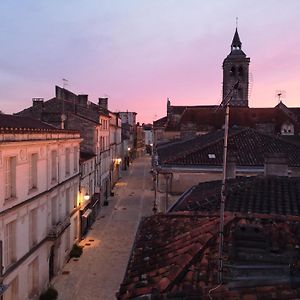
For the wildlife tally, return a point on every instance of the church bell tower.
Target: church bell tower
(236, 68)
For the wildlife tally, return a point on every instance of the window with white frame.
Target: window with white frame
(10, 177)
(33, 171)
(54, 217)
(33, 214)
(12, 292)
(75, 228)
(67, 157)
(10, 246)
(67, 201)
(74, 196)
(53, 165)
(67, 240)
(33, 278)
(76, 159)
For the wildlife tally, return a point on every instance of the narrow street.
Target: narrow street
(99, 271)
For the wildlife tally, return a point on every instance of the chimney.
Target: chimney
(38, 102)
(103, 102)
(82, 100)
(276, 164)
(231, 166)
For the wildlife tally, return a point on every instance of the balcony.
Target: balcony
(56, 230)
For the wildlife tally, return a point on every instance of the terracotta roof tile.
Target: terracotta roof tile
(165, 248)
(193, 272)
(208, 118)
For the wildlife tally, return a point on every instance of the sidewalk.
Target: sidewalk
(99, 271)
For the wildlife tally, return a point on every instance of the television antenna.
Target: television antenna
(63, 115)
(280, 95)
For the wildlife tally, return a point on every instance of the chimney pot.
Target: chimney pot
(276, 164)
(38, 102)
(82, 100)
(231, 166)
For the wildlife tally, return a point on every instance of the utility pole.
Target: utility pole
(226, 103)
(155, 175)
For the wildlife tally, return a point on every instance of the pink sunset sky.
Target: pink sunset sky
(140, 52)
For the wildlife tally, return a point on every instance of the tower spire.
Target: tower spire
(236, 42)
(236, 68)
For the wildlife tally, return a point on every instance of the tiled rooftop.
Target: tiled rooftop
(209, 117)
(175, 256)
(265, 195)
(164, 250)
(160, 122)
(18, 124)
(247, 145)
(51, 110)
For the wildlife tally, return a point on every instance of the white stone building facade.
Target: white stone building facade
(39, 204)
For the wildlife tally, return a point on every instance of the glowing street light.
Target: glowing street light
(86, 197)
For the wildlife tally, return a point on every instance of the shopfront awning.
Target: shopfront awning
(87, 213)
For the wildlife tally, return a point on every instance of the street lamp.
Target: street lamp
(86, 197)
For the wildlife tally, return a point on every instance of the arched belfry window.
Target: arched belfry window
(232, 71)
(241, 72)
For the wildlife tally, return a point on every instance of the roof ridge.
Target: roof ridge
(208, 144)
(190, 151)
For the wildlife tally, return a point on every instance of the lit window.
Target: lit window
(211, 155)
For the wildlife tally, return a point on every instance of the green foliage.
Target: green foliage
(76, 251)
(50, 294)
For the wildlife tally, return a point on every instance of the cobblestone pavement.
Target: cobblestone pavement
(99, 271)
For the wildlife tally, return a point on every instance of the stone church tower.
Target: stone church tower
(236, 68)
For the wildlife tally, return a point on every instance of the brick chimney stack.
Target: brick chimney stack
(103, 103)
(38, 102)
(231, 166)
(276, 164)
(82, 100)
